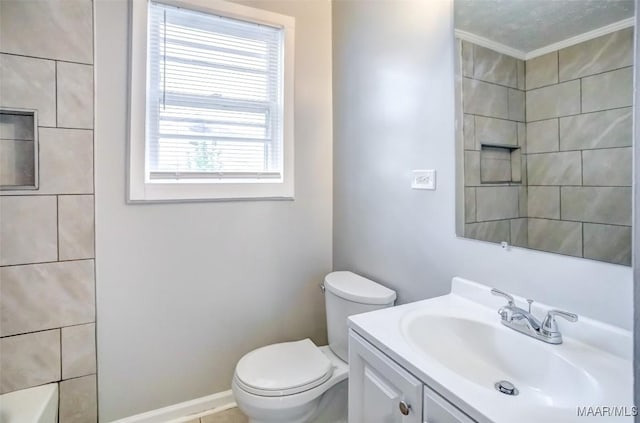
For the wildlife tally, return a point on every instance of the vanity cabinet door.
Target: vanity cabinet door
(380, 391)
(439, 410)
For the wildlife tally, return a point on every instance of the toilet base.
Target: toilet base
(331, 408)
(326, 403)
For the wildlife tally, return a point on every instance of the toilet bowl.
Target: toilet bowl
(299, 382)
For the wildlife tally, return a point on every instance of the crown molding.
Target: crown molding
(519, 54)
(490, 44)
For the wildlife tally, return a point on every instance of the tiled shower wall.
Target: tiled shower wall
(575, 191)
(47, 305)
(579, 132)
(493, 102)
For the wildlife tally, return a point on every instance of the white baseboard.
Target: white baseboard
(184, 411)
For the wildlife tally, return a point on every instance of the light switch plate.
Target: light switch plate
(424, 179)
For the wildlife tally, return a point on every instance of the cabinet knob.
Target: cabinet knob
(404, 408)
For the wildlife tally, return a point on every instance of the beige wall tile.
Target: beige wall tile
(525, 176)
(491, 66)
(28, 232)
(542, 136)
(494, 203)
(611, 128)
(516, 105)
(607, 90)
(516, 165)
(607, 167)
(470, 205)
(611, 205)
(75, 95)
(78, 351)
(608, 243)
(496, 131)
(522, 136)
(543, 202)
(542, 70)
(553, 101)
(495, 231)
(78, 400)
(563, 168)
(523, 193)
(43, 296)
(66, 161)
(482, 98)
(76, 226)
(519, 232)
(556, 236)
(52, 29)
(28, 83)
(469, 130)
(29, 360)
(521, 74)
(601, 54)
(471, 168)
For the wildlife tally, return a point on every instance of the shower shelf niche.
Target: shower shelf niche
(18, 149)
(500, 164)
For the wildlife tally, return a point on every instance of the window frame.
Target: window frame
(140, 188)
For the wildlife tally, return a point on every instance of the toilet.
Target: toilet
(299, 382)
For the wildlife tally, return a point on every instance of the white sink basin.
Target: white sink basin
(485, 354)
(456, 345)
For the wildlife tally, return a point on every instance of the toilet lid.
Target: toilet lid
(283, 369)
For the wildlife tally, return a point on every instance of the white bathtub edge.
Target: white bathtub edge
(32, 405)
(183, 411)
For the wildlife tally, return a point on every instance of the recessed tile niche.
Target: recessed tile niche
(500, 164)
(18, 149)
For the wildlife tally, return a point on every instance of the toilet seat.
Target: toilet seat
(283, 369)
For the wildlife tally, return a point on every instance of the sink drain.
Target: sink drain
(506, 387)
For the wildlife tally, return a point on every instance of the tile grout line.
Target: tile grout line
(51, 59)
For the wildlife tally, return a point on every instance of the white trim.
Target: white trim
(519, 54)
(598, 32)
(184, 411)
(141, 190)
(490, 44)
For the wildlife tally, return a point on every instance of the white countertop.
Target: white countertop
(606, 351)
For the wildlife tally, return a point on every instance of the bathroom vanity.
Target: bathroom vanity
(442, 360)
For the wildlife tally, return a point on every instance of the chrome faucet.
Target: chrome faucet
(523, 321)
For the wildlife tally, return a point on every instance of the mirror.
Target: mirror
(18, 149)
(544, 93)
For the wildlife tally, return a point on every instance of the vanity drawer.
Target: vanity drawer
(439, 410)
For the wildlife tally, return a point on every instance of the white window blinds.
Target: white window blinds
(214, 97)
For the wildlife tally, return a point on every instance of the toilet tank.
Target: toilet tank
(346, 294)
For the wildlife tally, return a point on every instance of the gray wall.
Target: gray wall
(184, 290)
(47, 305)
(393, 70)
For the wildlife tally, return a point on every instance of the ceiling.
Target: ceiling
(528, 25)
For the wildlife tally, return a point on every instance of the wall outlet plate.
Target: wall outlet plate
(424, 179)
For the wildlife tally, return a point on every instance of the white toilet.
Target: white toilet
(298, 382)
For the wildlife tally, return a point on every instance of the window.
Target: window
(211, 102)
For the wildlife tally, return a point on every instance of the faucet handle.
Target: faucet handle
(549, 324)
(503, 294)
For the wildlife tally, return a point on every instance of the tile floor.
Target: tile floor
(232, 415)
